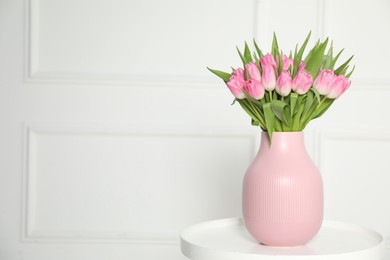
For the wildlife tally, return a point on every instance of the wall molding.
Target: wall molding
(30, 233)
(33, 74)
(344, 135)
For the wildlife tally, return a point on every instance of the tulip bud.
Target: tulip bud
(253, 71)
(268, 78)
(236, 83)
(287, 62)
(268, 60)
(283, 85)
(302, 82)
(302, 65)
(254, 88)
(339, 86)
(324, 81)
(238, 73)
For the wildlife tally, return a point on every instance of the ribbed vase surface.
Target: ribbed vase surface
(283, 192)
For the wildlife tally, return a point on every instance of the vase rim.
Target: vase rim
(283, 132)
(287, 132)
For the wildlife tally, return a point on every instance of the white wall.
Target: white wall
(114, 136)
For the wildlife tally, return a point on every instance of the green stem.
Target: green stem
(278, 125)
(270, 95)
(319, 104)
(312, 113)
(257, 113)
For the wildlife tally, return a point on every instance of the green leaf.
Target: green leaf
(256, 107)
(280, 64)
(278, 109)
(297, 118)
(241, 56)
(326, 62)
(330, 51)
(223, 75)
(269, 119)
(255, 123)
(288, 117)
(274, 94)
(308, 106)
(342, 67)
(298, 57)
(323, 108)
(275, 47)
(278, 126)
(335, 59)
(293, 101)
(344, 70)
(282, 112)
(317, 94)
(349, 74)
(296, 51)
(247, 54)
(315, 61)
(257, 61)
(253, 100)
(310, 54)
(259, 52)
(248, 110)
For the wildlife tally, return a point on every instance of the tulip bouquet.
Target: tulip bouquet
(284, 93)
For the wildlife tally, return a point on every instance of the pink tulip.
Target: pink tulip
(268, 78)
(302, 65)
(268, 60)
(339, 86)
(283, 85)
(236, 83)
(324, 81)
(287, 62)
(302, 82)
(253, 71)
(239, 73)
(254, 88)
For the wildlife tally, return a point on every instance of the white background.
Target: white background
(114, 137)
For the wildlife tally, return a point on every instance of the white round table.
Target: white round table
(227, 239)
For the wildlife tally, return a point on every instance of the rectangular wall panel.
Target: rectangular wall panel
(360, 28)
(133, 41)
(290, 20)
(355, 168)
(121, 185)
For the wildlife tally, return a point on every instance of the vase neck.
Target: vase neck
(283, 141)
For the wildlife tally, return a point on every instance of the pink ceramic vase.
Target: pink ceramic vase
(283, 192)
